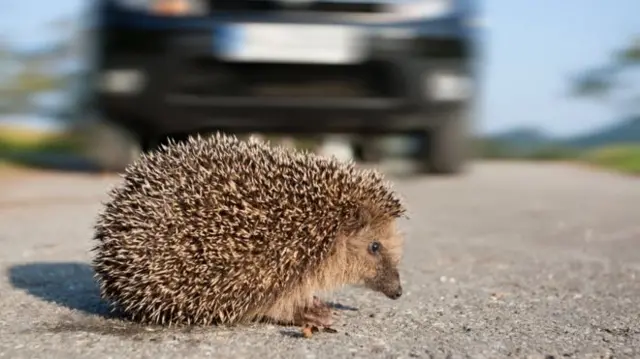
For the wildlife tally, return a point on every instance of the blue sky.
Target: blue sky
(533, 46)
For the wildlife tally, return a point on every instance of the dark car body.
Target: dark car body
(157, 74)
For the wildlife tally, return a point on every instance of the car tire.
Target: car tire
(371, 150)
(444, 148)
(110, 147)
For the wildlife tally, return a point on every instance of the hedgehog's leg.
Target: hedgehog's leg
(318, 314)
(317, 302)
(313, 313)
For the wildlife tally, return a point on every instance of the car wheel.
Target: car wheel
(445, 147)
(110, 146)
(371, 150)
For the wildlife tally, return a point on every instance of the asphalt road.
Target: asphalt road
(512, 260)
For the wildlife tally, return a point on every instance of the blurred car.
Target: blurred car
(364, 67)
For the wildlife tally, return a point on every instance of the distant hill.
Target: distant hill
(527, 140)
(522, 140)
(623, 132)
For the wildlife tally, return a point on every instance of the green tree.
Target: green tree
(604, 81)
(25, 75)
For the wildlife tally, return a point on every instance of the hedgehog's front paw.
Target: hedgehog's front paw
(320, 304)
(316, 315)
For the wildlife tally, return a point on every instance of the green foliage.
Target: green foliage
(22, 76)
(631, 54)
(598, 83)
(18, 88)
(26, 148)
(624, 158)
(14, 142)
(594, 83)
(553, 153)
(492, 149)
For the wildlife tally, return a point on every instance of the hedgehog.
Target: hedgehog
(221, 231)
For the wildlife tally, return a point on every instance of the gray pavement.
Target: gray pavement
(513, 260)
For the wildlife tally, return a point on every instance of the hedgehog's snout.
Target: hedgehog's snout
(386, 280)
(396, 294)
(393, 288)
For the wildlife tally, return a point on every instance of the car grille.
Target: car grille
(317, 6)
(210, 78)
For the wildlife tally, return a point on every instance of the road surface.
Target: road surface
(513, 260)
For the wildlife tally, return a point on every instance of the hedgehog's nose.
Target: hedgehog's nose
(397, 294)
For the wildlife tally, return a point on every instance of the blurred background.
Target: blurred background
(559, 80)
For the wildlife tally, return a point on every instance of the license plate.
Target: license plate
(289, 43)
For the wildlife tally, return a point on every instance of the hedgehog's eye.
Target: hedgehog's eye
(374, 247)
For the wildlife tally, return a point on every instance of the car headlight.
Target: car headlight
(166, 7)
(417, 9)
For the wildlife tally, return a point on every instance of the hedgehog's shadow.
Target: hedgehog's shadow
(69, 284)
(338, 306)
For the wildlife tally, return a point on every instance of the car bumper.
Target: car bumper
(170, 80)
